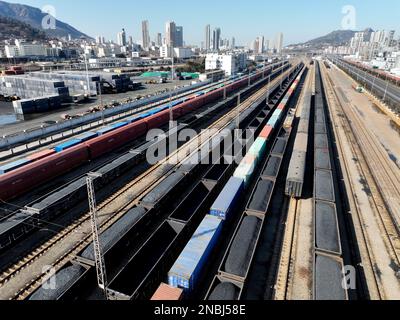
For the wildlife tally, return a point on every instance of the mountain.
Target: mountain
(14, 29)
(335, 38)
(34, 16)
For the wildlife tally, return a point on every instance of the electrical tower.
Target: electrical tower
(99, 258)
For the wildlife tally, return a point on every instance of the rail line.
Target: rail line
(377, 173)
(109, 212)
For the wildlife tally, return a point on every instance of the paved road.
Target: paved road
(387, 90)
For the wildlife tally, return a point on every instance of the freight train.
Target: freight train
(328, 260)
(148, 263)
(297, 167)
(77, 153)
(190, 266)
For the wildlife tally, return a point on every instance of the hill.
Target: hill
(34, 16)
(14, 29)
(335, 38)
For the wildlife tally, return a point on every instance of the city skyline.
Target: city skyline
(302, 25)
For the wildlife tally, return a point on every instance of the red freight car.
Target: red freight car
(115, 139)
(157, 120)
(27, 177)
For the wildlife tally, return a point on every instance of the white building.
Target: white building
(183, 53)
(231, 63)
(166, 51)
(170, 33)
(108, 62)
(121, 37)
(23, 49)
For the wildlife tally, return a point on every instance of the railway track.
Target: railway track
(381, 179)
(109, 211)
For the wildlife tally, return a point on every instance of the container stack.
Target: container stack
(28, 87)
(76, 82)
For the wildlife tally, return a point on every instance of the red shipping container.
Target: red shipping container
(167, 293)
(266, 132)
(41, 154)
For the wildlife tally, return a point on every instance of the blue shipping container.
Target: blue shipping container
(87, 136)
(67, 145)
(13, 165)
(119, 125)
(227, 198)
(277, 113)
(187, 269)
(272, 122)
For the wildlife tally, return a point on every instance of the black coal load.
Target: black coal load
(225, 291)
(64, 279)
(262, 196)
(162, 189)
(109, 237)
(239, 256)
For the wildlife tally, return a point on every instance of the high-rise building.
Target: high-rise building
(170, 33)
(122, 38)
(130, 40)
(266, 45)
(145, 34)
(208, 38)
(159, 40)
(279, 42)
(233, 44)
(178, 37)
(259, 45)
(216, 39)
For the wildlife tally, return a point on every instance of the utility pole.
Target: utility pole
(268, 89)
(99, 258)
(101, 103)
(238, 118)
(171, 114)
(87, 76)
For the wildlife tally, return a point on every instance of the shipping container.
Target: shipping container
(167, 293)
(13, 165)
(119, 125)
(187, 270)
(105, 130)
(227, 198)
(41, 154)
(66, 145)
(87, 136)
(258, 148)
(246, 169)
(266, 132)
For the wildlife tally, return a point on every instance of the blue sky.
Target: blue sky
(299, 20)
